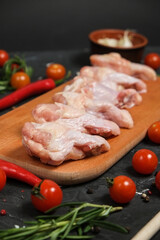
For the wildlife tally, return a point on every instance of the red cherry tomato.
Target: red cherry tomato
(154, 132)
(46, 195)
(157, 180)
(19, 80)
(3, 57)
(123, 189)
(55, 71)
(152, 60)
(144, 161)
(2, 179)
(3, 212)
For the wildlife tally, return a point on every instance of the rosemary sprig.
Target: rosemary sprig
(74, 224)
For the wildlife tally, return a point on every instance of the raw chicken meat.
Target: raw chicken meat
(115, 62)
(84, 123)
(90, 106)
(99, 90)
(55, 143)
(97, 72)
(99, 108)
(72, 99)
(51, 112)
(127, 81)
(126, 98)
(114, 80)
(78, 83)
(108, 111)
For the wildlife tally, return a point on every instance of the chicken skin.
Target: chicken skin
(85, 122)
(115, 62)
(54, 143)
(114, 80)
(51, 112)
(110, 93)
(99, 108)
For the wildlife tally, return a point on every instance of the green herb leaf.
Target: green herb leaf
(109, 225)
(80, 219)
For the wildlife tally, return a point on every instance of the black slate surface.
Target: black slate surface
(15, 197)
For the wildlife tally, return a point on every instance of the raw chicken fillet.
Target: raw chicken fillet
(115, 62)
(102, 109)
(87, 112)
(85, 122)
(55, 143)
(51, 112)
(100, 90)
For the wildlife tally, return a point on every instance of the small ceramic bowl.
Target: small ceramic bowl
(134, 53)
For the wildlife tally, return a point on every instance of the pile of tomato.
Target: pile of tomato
(122, 189)
(18, 75)
(144, 161)
(54, 71)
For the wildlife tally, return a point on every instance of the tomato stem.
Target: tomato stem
(36, 191)
(110, 182)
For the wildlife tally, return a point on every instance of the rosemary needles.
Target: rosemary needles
(77, 223)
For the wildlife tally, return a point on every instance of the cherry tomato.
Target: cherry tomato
(55, 71)
(157, 180)
(46, 195)
(144, 161)
(3, 212)
(152, 60)
(3, 57)
(19, 80)
(2, 179)
(154, 132)
(123, 189)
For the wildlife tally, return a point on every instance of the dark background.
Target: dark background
(65, 24)
(39, 27)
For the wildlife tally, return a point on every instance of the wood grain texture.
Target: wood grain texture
(74, 172)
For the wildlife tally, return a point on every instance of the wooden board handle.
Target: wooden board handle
(148, 231)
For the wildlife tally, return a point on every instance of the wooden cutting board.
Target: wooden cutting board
(74, 172)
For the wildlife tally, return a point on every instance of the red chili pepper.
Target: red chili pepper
(31, 89)
(14, 171)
